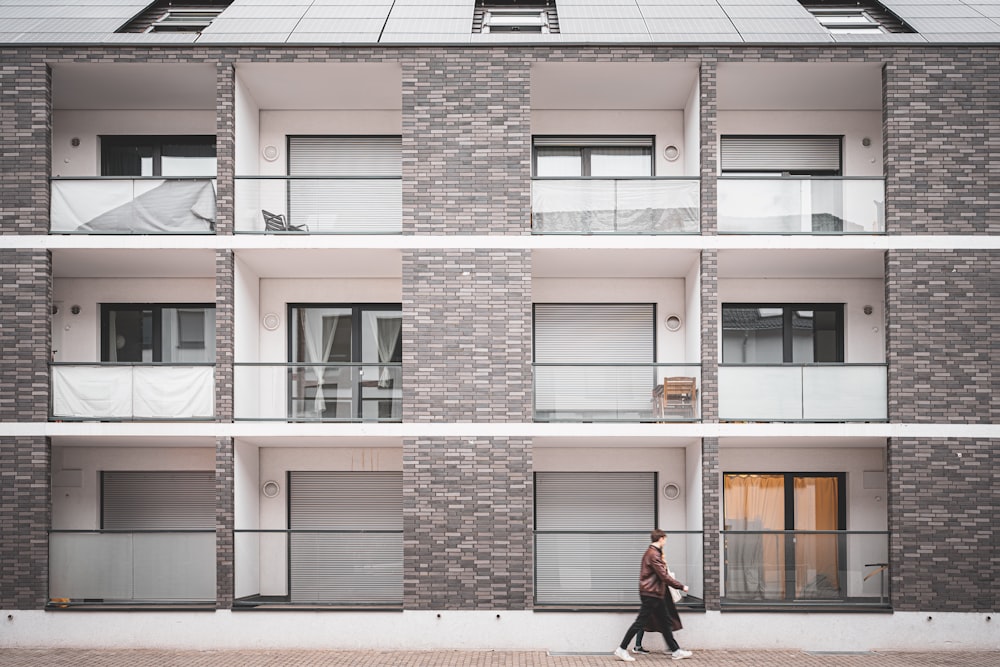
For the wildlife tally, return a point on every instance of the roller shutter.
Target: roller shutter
(158, 500)
(799, 155)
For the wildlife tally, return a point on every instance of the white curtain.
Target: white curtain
(386, 331)
(318, 343)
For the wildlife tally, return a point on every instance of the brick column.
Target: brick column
(25, 152)
(224, 523)
(224, 334)
(709, 146)
(467, 523)
(710, 335)
(225, 147)
(25, 517)
(711, 510)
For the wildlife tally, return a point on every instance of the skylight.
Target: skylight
(515, 16)
(177, 16)
(855, 17)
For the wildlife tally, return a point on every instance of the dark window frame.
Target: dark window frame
(156, 329)
(154, 143)
(579, 143)
(788, 315)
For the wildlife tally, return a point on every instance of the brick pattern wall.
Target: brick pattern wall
(708, 84)
(225, 147)
(467, 523)
(709, 336)
(942, 120)
(711, 511)
(466, 142)
(225, 572)
(467, 336)
(944, 508)
(25, 510)
(25, 127)
(942, 337)
(225, 285)
(25, 334)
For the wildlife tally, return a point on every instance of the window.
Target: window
(590, 530)
(859, 17)
(817, 155)
(348, 361)
(146, 333)
(177, 16)
(597, 157)
(782, 333)
(179, 155)
(531, 16)
(764, 563)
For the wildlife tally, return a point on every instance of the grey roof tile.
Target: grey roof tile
(303, 37)
(340, 25)
(969, 25)
(781, 37)
(941, 11)
(692, 25)
(250, 26)
(768, 12)
(806, 25)
(242, 37)
(463, 25)
(263, 12)
(712, 11)
(689, 37)
(575, 26)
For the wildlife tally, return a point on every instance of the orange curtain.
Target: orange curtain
(816, 556)
(755, 563)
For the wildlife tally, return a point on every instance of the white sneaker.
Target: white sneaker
(622, 654)
(680, 654)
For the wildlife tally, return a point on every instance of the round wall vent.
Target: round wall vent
(270, 153)
(271, 321)
(270, 489)
(671, 491)
(672, 322)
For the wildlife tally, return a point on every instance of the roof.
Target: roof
(412, 22)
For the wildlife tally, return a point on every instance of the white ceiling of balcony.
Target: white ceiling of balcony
(789, 263)
(612, 85)
(800, 86)
(133, 86)
(323, 86)
(132, 263)
(630, 263)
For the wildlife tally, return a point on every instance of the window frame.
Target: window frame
(155, 142)
(579, 142)
(788, 314)
(156, 332)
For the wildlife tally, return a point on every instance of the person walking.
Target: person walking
(653, 582)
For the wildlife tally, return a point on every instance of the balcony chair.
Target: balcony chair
(276, 222)
(676, 398)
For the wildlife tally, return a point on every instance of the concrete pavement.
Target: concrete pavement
(252, 658)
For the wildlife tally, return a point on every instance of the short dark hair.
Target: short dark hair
(656, 535)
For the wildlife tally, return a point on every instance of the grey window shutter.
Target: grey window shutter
(349, 566)
(158, 500)
(594, 142)
(582, 555)
(344, 156)
(781, 154)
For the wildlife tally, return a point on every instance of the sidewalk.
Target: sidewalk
(155, 658)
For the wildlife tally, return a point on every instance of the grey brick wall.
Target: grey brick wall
(943, 517)
(942, 338)
(224, 334)
(708, 83)
(25, 508)
(711, 513)
(942, 111)
(25, 128)
(710, 336)
(225, 572)
(225, 147)
(467, 523)
(467, 336)
(466, 142)
(25, 334)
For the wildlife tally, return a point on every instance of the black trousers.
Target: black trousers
(656, 608)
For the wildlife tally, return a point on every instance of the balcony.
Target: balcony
(791, 205)
(352, 568)
(319, 204)
(133, 391)
(803, 392)
(296, 392)
(818, 569)
(131, 567)
(616, 393)
(615, 206)
(114, 205)
(597, 568)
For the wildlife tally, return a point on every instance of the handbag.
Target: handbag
(675, 594)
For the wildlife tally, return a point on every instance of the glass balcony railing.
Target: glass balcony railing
(803, 392)
(616, 392)
(131, 567)
(319, 567)
(615, 206)
(298, 392)
(805, 568)
(792, 205)
(118, 205)
(598, 567)
(132, 391)
(319, 204)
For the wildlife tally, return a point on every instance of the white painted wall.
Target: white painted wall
(854, 125)
(246, 128)
(666, 125)
(80, 507)
(597, 632)
(691, 150)
(81, 334)
(87, 126)
(864, 335)
(247, 326)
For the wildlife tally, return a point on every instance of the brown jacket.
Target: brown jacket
(653, 577)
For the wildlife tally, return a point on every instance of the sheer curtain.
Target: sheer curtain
(755, 563)
(816, 556)
(386, 331)
(318, 331)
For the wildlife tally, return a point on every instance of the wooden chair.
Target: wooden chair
(677, 397)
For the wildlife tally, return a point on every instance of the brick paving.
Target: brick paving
(156, 658)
